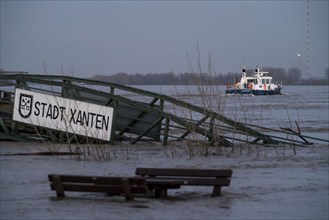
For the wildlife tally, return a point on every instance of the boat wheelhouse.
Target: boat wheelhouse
(260, 83)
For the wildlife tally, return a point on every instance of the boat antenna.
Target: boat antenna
(308, 38)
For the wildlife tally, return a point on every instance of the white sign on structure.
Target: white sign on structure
(63, 114)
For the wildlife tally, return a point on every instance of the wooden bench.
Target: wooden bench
(195, 177)
(128, 186)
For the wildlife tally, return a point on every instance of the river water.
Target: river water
(267, 182)
(308, 106)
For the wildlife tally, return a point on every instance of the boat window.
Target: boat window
(263, 81)
(267, 81)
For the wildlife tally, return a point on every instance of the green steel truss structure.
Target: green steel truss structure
(138, 114)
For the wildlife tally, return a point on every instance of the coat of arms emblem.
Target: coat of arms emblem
(25, 105)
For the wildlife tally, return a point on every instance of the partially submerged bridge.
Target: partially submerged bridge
(138, 115)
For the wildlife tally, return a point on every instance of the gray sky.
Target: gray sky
(106, 37)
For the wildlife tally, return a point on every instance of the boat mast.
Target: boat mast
(244, 68)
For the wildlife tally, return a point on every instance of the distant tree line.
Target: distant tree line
(294, 76)
(162, 78)
(291, 77)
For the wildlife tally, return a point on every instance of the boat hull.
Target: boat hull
(253, 92)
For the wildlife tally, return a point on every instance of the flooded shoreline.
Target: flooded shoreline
(275, 184)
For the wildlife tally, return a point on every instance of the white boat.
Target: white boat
(260, 83)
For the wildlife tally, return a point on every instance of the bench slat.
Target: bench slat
(111, 189)
(96, 179)
(85, 179)
(183, 172)
(195, 181)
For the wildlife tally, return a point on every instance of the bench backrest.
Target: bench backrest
(97, 179)
(222, 173)
(111, 185)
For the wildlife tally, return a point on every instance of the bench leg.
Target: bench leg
(58, 186)
(216, 191)
(160, 193)
(127, 189)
